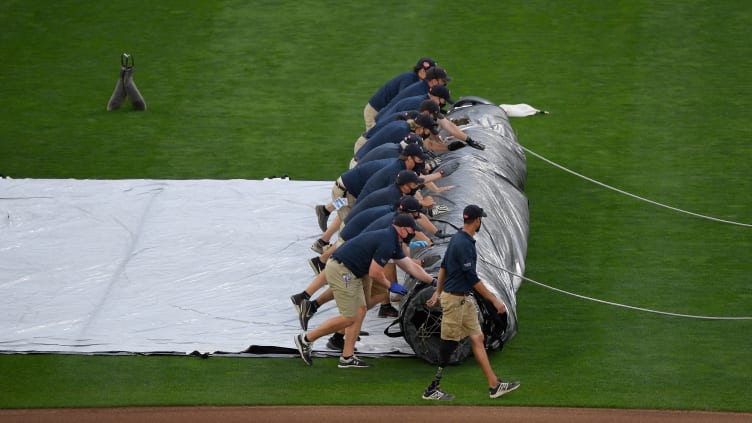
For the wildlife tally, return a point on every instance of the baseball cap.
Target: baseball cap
(473, 212)
(437, 72)
(408, 203)
(441, 91)
(413, 138)
(404, 220)
(407, 115)
(407, 176)
(414, 150)
(427, 122)
(424, 63)
(430, 106)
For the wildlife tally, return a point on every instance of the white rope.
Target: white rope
(730, 222)
(665, 313)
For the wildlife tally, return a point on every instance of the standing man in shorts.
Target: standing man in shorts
(457, 279)
(350, 271)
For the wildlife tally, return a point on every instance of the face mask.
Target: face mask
(412, 191)
(419, 166)
(425, 134)
(408, 238)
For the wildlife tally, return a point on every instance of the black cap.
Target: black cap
(429, 105)
(473, 212)
(407, 176)
(441, 91)
(410, 204)
(413, 138)
(414, 150)
(427, 122)
(407, 115)
(437, 72)
(424, 63)
(404, 220)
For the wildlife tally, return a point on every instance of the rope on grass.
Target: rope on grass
(665, 313)
(702, 216)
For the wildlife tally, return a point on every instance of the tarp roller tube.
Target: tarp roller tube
(494, 179)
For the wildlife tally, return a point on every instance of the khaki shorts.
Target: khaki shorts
(459, 317)
(349, 292)
(343, 211)
(369, 115)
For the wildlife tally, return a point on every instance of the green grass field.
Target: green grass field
(650, 97)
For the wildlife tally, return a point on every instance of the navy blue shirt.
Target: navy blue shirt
(385, 119)
(459, 263)
(384, 151)
(380, 246)
(380, 197)
(391, 88)
(355, 179)
(384, 177)
(393, 132)
(387, 151)
(382, 222)
(405, 104)
(417, 88)
(357, 224)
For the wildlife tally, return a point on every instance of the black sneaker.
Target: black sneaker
(305, 313)
(296, 300)
(336, 343)
(322, 214)
(304, 348)
(387, 310)
(502, 388)
(316, 265)
(319, 246)
(435, 393)
(353, 361)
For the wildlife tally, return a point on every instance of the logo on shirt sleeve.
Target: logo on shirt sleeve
(467, 265)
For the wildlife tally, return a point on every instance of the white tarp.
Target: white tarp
(159, 265)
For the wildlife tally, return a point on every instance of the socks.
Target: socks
(437, 378)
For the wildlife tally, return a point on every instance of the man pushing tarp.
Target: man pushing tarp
(493, 179)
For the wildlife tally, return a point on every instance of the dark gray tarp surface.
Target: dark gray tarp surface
(494, 179)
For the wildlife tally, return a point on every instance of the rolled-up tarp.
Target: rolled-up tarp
(494, 179)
